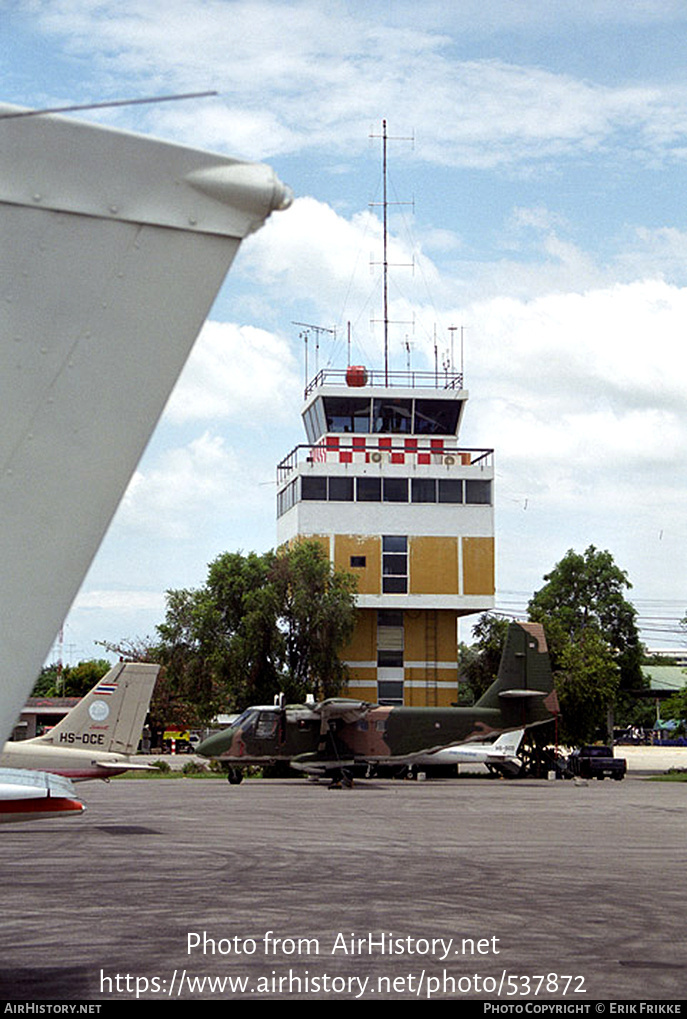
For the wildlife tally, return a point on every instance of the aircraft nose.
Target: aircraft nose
(215, 745)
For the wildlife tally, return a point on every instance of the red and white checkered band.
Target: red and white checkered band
(359, 449)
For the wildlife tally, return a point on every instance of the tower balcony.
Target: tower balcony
(379, 451)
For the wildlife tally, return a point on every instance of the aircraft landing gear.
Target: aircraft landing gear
(341, 780)
(234, 776)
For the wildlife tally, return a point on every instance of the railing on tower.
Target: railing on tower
(384, 449)
(392, 379)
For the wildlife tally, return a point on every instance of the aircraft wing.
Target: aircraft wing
(320, 764)
(125, 765)
(345, 708)
(31, 795)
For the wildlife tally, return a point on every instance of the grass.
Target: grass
(674, 775)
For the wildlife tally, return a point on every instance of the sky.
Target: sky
(537, 167)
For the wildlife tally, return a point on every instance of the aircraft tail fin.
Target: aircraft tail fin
(523, 690)
(111, 716)
(508, 742)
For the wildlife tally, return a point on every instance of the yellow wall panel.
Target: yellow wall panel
(370, 575)
(478, 566)
(434, 565)
(364, 692)
(362, 646)
(322, 539)
(441, 634)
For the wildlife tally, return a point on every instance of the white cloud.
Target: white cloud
(238, 373)
(181, 492)
(297, 76)
(573, 357)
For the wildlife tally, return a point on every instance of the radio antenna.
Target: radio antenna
(112, 102)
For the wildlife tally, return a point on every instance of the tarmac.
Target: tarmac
(471, 888)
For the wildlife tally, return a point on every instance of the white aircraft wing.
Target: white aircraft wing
(114, 247)
(28, 795)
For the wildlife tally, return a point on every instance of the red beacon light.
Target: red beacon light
(356, 375)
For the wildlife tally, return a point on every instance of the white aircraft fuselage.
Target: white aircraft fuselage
(71, 762)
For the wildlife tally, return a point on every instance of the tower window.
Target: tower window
(347, 414)
(436, 417)
(395, 490)
(394, 564)
(390, 691)
(450, 490)
(358, 562)
(390, 659)
(369, 489)
(424, 490)
(390, 617)
(478, 491)
(341, 489)
(392, 416)
(313, 488)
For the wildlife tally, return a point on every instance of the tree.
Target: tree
(479, 663)
(592, 637)
(71, 680)
(316, 617)
(260, 625)
(587, 681)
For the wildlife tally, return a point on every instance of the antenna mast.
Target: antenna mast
(307, 328)
(385, 259)
(385, 254)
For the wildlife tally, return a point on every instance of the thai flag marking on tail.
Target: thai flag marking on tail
(105, 689)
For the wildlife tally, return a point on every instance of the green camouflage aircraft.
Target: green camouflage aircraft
(340, 734)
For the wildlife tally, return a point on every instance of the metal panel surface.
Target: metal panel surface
(99, 313)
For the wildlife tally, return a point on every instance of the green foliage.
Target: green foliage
(593, 640)
(162, 766)
(585, 592)
(71, 680)
(479, 663)
(587, 682)
(316, 616)
(675, 706)
(261, 624)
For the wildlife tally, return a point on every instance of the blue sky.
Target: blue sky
(547, 173)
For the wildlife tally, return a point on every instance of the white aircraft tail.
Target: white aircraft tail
(508, 742)
(111, 716)
(114, 248)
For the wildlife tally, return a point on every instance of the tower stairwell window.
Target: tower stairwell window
(394, 564)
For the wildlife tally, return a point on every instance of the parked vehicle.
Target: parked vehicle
(596, 762)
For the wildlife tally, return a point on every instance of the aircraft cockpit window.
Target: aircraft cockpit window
(246, 717)
(266, 724)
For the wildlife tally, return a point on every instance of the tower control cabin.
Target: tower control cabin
(383, 483)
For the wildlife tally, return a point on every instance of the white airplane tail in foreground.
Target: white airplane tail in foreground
(114, 248)
(97, 736)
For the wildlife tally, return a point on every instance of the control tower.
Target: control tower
(383, 483)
